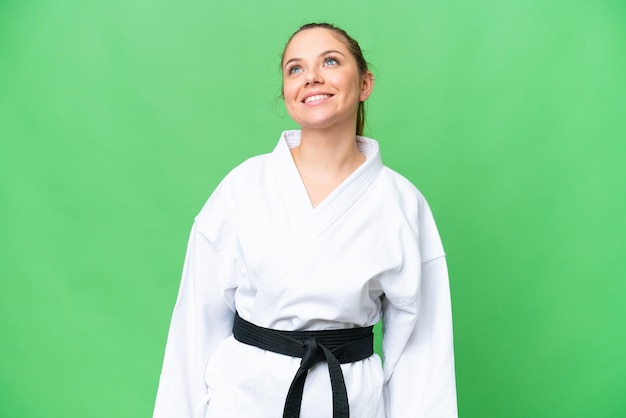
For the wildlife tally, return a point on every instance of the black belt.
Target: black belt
(334, 346)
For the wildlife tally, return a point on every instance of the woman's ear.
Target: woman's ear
(367, 85)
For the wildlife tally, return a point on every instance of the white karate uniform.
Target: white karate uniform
(370, 249)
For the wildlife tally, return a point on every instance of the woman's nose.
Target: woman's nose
(314, 77)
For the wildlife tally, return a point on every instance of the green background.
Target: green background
(118, 118)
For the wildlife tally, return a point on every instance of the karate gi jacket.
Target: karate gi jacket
(370, 250)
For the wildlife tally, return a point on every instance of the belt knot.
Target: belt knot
(331, 346)
(313, 353)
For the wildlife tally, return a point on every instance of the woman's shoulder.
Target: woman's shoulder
(401, 187)
(250, 167)
(416, 208)
(242, 177)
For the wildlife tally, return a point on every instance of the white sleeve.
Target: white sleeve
(202, 319)
(421, 381)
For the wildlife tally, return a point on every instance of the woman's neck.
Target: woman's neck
(325, 159)
(330, 149)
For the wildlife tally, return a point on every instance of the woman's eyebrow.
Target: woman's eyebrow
(330, 51)
(291, 60)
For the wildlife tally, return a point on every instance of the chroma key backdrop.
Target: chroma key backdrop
(118, 119)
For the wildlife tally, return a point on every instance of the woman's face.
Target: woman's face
(322, 86)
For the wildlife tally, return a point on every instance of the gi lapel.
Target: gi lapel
(286, 255)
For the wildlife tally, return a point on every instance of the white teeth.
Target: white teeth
(316, 98)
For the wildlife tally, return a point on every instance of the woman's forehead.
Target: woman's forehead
(312, 42)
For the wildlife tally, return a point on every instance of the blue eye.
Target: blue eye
(330, 61)
(294, 69)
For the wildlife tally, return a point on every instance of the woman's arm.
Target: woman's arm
(420, 382)
(202, 319)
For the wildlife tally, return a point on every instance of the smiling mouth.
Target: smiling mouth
(317, 98)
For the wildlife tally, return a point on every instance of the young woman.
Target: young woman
(297, 254)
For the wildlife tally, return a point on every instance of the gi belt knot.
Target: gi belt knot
(334, 347)
(313, 353)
